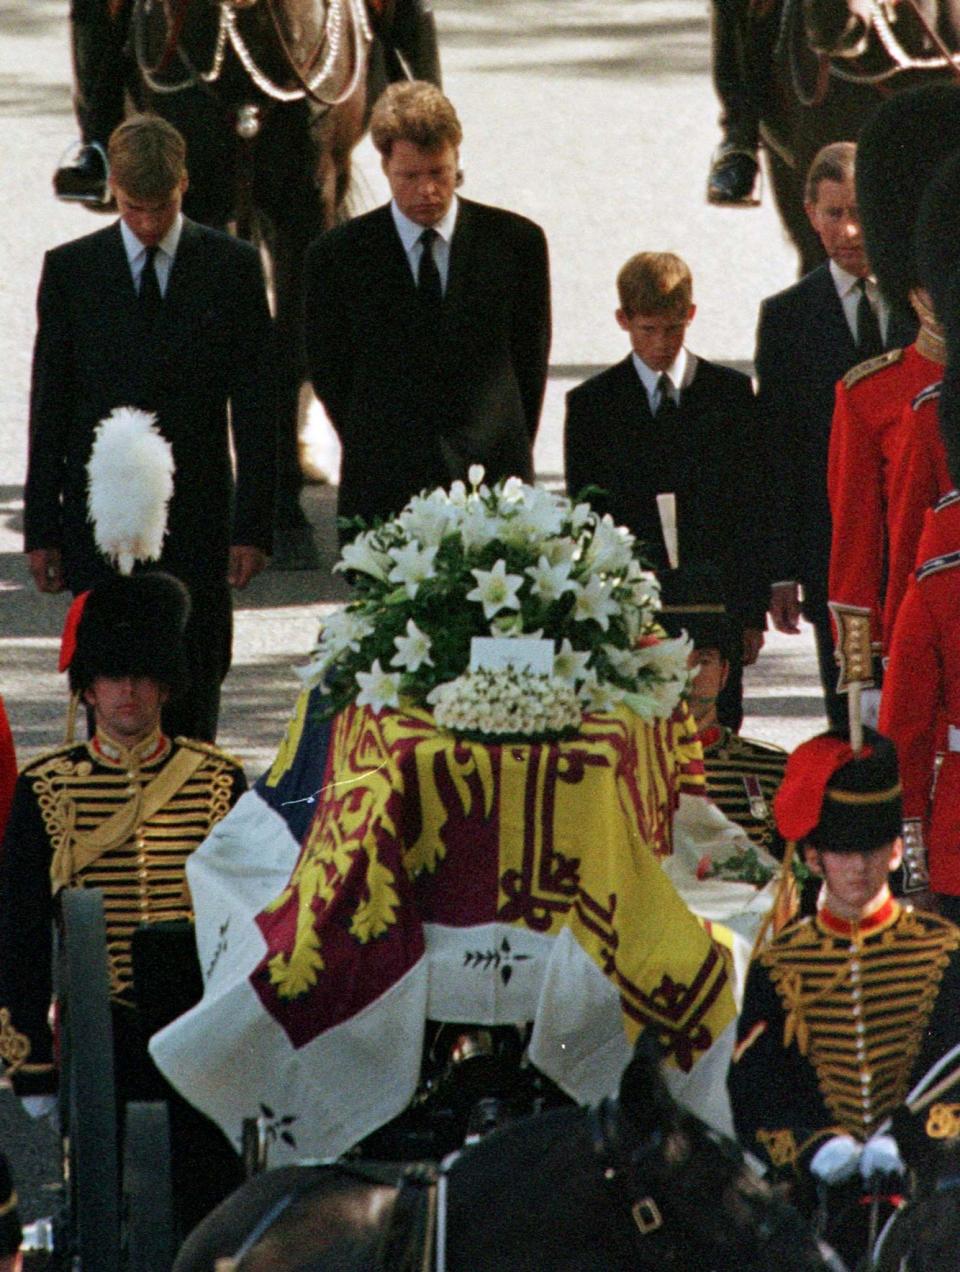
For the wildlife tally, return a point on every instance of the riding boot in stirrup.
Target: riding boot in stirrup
(733, 174)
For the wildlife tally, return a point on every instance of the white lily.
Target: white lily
(595, 600)
(378, 688)
(496, 590)
(550, 581)
(475, 474)
(413, 564)
(413, 649)
(360, 554)
(611, 546)
(570, 664)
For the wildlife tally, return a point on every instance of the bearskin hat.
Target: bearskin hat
(898, 151)
(691, 600)
(839, 800)
(938, 267)
(128, 625)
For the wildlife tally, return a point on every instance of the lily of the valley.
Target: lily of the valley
(496, 590)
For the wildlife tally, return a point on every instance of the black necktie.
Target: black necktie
(428, 276)
(666, 407)
(869, 340)
(151, 298)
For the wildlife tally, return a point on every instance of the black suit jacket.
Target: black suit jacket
(708, 460)
(804, 346)
(416, 401)
(210, 347)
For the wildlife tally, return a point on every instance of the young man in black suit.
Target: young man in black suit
(808, 338)
(159, 313)
(427, 321)
(666, 422)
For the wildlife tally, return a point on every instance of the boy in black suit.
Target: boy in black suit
(666, 422)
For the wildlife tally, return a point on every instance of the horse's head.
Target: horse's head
(690, 1189)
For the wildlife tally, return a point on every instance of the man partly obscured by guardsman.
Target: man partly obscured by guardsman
(743, 774)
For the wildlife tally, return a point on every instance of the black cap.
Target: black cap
(132, 625)
(691, 598)
(898, 151)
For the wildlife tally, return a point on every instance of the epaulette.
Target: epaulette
(863, 369)
(207, 748)
(39, 762)
(929, 394)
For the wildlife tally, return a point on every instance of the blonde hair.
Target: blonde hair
(655, 283)
(148, 157)
(417, 112)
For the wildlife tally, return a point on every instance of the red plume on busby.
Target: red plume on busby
(898, 151)
(938, 265)
(837, 800)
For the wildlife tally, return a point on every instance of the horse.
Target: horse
(821, 68)
(637, 1183)
(271, 97)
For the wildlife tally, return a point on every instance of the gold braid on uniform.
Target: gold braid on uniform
(743, 775)
(141, 871)
(857, 1006)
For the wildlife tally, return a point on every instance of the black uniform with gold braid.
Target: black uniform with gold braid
(743, 775)
(841, 1017)
(122, 818)
(95, 815)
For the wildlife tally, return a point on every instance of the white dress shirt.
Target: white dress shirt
(410, 232)
(679, 373)
(848, 289)
(162, 262)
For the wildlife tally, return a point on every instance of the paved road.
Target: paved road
(596, 118)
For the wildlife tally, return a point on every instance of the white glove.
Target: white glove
(38, 1106)
(881, 1156)
(836, 1160)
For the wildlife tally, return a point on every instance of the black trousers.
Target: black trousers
(834, 703)
(209, 647)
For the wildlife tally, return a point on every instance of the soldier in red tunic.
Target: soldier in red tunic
(876, 503)
(922, 683)
(878, 493)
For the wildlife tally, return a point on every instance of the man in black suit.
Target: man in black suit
(666, 422)
(808, 337)
(427, 321)
(158, 313)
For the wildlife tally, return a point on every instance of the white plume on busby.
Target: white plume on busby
(130, 475)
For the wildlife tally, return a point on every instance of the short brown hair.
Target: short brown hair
(835, 162)
(417, 112)
(655, 283)
(148, 157)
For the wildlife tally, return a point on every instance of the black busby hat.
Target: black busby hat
(691, 598)
(835, 799)
(938, 266)
(898, 151)
(128, 625)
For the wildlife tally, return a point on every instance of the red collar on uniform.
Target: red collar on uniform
(882, 916)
